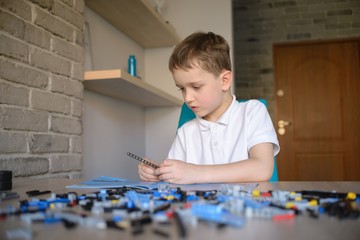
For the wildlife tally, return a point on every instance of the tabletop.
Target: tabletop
(301, 227)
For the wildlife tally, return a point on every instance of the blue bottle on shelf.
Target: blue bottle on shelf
(132, 65)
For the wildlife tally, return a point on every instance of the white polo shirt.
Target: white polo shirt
(242, 126)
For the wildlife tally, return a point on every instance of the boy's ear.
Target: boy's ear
(226, 80)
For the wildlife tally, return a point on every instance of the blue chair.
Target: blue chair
(187, 114)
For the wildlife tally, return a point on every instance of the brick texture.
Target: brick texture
(47, 143)
(259, 24)
(53, 24)
(23, 74)
(24, 167)
(41, 87)
(23, 119)
(11, 94)
(65, 163)
(13, 142)
(49, 101)
(66, 125)
(14, 48)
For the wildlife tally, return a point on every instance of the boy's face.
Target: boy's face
(206, 94)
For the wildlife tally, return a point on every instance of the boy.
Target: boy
(228, 141)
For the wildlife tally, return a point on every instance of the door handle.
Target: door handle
(282, 124)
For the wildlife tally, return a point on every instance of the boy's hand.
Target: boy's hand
(147, 173)
(180, 172)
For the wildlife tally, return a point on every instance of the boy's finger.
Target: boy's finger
(148, 177)
(146, 168)
(166, 162)
(162, 170)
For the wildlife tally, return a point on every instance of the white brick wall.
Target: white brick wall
(41, 89)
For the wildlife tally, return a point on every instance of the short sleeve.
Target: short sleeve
(260, 127)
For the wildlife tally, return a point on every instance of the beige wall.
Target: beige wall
(110, 47)
(113, 127)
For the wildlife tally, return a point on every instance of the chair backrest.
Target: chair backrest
(187, 114)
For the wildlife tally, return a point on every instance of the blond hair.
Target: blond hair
(209, 51)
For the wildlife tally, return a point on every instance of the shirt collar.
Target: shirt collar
(223, 120)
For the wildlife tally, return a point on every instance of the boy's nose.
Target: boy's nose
(188, 97)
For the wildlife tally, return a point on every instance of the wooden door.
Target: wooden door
(318, 94)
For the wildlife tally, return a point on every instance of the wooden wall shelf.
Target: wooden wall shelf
(138, 19)
(119, 84)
